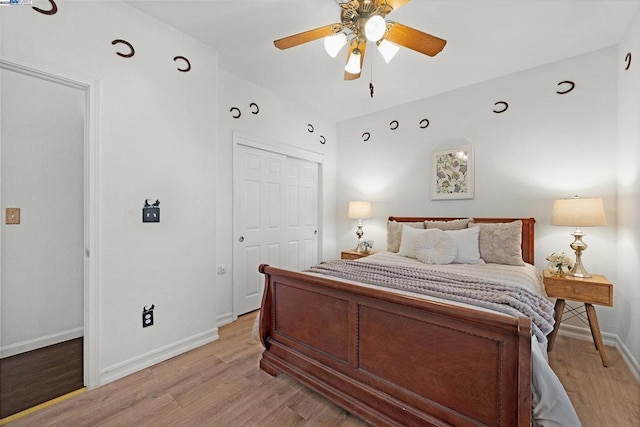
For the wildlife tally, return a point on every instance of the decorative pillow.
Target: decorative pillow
(468, 245)
(394, 233)
(435, 247)
(407, 243)
(456, 224)
(500, 243)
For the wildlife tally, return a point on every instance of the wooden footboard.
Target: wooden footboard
(395, 359)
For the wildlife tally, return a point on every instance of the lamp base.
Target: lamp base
(359, 234)
(578, 269)
(579, 246)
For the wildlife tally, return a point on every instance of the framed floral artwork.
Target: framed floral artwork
(453, 173)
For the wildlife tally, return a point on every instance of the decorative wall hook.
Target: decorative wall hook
(322, 140)
(394, 125)
(627, 59)
(184, 70)
(52, 11)
(253, 104)
(310, 128)
(124, 55)
(235, 116)
(562, 92)
(366, 136)
(501, 103)
(424, 123)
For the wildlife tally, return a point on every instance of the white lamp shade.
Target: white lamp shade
(359, 210)
(353, 64)
(579, 212)
(375, 28)
(388, 50)
(333, 44)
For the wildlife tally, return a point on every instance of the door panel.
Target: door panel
(258, 221)
(305, 179)
(275, 219)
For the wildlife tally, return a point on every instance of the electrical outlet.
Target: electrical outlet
(147, 316)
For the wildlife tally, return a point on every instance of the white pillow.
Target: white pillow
(435, 247)
(468, 245)
(407, 243)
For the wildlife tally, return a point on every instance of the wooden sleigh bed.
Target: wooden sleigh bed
(396, 359)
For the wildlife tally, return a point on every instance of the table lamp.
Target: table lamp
(359, 210)
(579, 212)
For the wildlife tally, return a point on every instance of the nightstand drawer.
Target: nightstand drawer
(592, 290)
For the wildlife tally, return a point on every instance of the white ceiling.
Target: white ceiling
(485, 39)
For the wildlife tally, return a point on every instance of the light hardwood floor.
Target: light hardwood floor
(220, 384)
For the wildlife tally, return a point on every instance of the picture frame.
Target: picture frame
(453, 173)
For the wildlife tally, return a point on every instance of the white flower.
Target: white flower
(560, 259)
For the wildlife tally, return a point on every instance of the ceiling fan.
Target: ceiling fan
(362, 21)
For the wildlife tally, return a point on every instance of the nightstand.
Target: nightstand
(594, 290)
(354, 254)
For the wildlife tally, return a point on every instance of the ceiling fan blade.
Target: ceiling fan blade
(307, 36)
(362, 46)
(415, 39)
(395, 4)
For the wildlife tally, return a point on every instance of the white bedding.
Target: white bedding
(551, 406)
(526, 276)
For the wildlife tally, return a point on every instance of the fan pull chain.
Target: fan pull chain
(371, 88)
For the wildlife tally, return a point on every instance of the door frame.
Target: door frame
(91, 89)
(278, 148)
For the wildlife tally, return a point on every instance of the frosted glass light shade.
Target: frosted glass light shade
(353, 65)
(359, 210)
(374, 28)
(333, 44)
(387, 49)
(578, 212)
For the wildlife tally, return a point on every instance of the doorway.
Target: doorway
(276, 216)
(47, 233)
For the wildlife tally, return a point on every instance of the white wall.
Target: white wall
(545, 146)
(279, 123)
(157, 139)
(42, 148)
(628, 260)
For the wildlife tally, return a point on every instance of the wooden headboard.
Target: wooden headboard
(527, 229)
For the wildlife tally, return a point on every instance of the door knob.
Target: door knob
(241, 239)
(315, 231)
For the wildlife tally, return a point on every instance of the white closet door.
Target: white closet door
(302, 214)
(275, 219)
(259, 195)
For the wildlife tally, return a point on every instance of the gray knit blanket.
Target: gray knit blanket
(513, 300)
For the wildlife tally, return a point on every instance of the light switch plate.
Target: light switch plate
(151, 214)
(12, 216)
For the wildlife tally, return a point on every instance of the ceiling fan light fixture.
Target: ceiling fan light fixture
(333, 43)
(375, 28)
(387, 49)
(353, 64)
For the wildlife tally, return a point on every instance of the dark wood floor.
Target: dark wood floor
(37, 376)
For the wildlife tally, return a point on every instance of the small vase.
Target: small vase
(556, 270)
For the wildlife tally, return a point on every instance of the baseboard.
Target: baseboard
(35, 343)
(135, 364)
(608, 339)
(224, 319)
